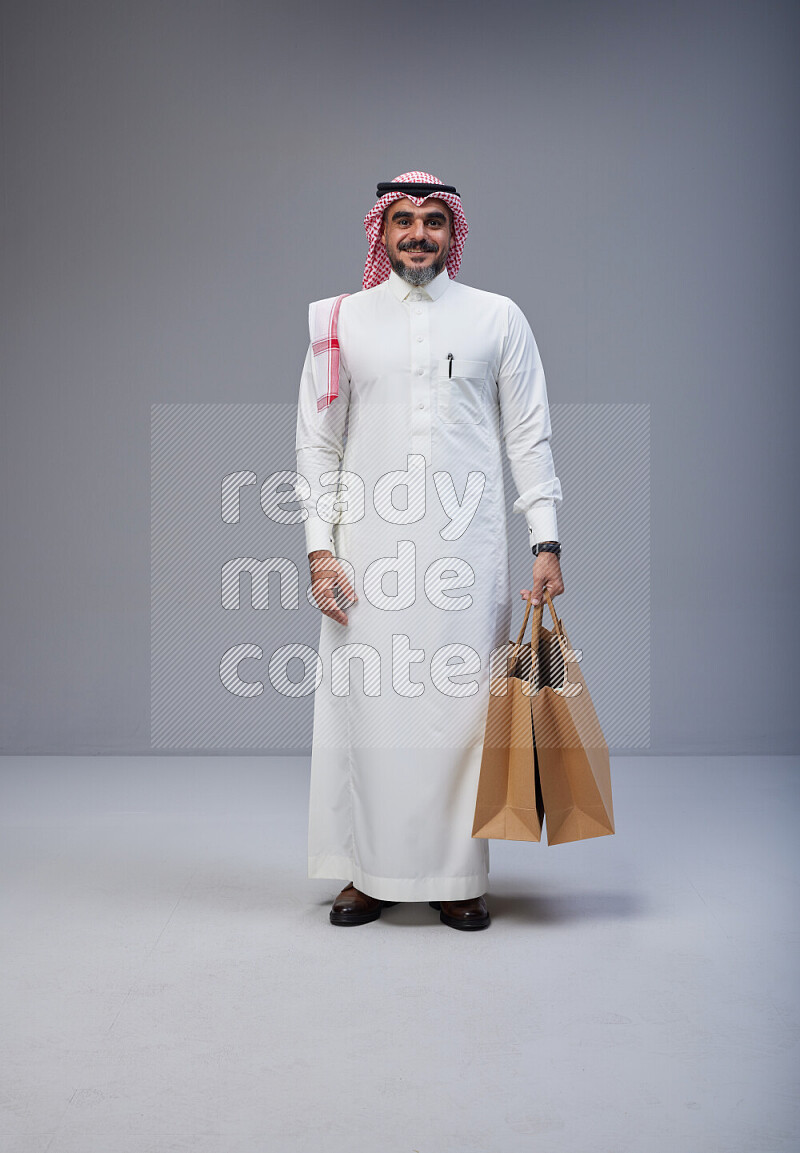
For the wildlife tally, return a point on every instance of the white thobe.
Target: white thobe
(402, 478)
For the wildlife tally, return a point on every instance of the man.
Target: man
(408, 392)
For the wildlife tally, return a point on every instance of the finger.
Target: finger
(325, 598)
(343, 584)
(321, 566)
(346, 591)
(332, 610)
(328, 601)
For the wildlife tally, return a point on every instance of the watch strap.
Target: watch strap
(547, 546)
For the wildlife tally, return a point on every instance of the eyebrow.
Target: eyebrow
(435, 214)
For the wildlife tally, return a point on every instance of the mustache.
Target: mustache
(418, 246)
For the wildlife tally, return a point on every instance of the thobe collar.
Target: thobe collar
(431, 291)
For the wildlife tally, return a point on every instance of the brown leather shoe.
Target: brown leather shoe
(471, 914)
(352, 907)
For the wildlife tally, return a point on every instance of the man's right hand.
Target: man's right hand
(325, 573)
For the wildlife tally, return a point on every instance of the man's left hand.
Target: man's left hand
(546, 573)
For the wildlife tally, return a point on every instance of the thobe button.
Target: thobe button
(420, 371)
(420, 339)
(418, 311)
(420, 405)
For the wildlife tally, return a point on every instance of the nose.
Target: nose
(418, 230)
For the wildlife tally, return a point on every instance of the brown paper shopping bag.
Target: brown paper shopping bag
(571, 751)
(509, 801)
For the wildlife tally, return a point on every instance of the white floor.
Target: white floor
(170, 979)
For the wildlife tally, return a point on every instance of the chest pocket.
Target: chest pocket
(460, 396)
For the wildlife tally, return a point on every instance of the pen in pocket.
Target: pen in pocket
(450, 368)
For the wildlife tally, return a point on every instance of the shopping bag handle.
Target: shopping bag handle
(534, 629)
(566, 653)
(528, 604)
(540, 611)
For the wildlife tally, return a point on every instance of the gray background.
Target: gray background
(180, 179)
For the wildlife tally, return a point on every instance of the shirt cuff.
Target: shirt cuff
(543, 524)
(319, 535)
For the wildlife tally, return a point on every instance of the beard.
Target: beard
(418, 277)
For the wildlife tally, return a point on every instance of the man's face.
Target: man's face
(417, 240)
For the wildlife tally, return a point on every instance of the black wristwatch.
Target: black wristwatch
(547, 546)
